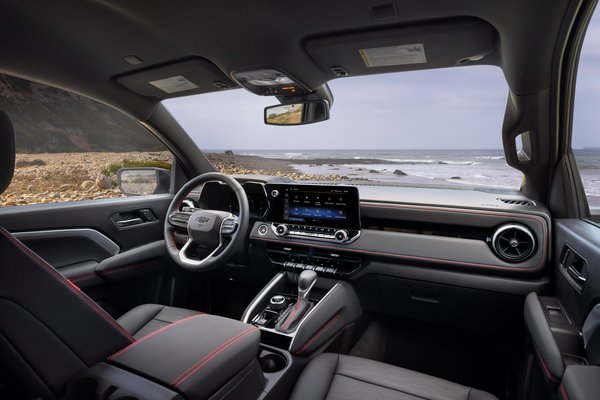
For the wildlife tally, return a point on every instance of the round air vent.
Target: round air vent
(513, 243)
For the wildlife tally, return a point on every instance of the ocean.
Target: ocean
(462, 167)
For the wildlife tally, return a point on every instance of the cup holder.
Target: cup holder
(271, 362)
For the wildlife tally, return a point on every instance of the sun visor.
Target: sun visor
(412, 47)
(192, 76)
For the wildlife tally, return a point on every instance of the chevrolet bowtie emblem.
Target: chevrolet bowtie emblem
(201, 220)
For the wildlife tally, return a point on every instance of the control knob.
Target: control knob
(281, 230)
(277, 302)
(341, 235)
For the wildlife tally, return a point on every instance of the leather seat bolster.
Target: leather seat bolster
(7, 151)
(344, 377)
(316, 378)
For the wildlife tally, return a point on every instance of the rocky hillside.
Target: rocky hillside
(49, 120)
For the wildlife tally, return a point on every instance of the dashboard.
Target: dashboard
(348, 231)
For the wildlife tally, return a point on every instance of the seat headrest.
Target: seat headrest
(7, 151)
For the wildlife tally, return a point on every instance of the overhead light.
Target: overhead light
(269, 82)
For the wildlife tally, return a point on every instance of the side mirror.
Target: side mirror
(143, 181)
(302, 113)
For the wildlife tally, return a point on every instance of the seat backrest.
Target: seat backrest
(7, 151)
(49, 329)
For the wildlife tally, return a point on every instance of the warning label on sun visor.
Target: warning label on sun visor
(174, 84)
(394, 55)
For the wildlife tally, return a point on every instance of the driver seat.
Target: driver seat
(49, 329)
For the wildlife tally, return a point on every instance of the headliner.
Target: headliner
(80, 45)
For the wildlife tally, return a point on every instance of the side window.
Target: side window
(586, 118)
(69, 148)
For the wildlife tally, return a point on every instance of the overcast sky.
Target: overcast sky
(454, 108)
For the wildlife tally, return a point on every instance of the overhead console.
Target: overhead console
(316, 212)
(270, 82)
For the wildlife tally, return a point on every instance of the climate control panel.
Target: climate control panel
(312, 232)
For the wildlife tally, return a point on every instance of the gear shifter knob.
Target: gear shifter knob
(306, 281)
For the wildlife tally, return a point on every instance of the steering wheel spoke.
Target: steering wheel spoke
(229, 225)
(179, 219)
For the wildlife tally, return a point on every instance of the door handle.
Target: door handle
(577, 277)
(129, 222)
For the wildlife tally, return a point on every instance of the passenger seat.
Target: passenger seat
(334, 376)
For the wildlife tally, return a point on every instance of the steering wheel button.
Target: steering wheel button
(263, 229)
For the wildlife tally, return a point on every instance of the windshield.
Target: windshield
(437, 127)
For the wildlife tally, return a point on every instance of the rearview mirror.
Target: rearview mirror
(143, 181)
(302, 113)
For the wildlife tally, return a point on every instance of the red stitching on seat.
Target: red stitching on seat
(152, 334)
(545, 368)
(337, 318)
(207, 358)
(563, 392)
(73, 285)
(39, 261)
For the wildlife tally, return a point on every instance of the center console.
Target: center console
(301, 313)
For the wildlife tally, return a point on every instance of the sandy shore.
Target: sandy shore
(49, 178)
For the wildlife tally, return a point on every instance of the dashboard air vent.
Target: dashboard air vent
(516, 202)
(513, 243)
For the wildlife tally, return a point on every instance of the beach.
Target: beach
(54, 177)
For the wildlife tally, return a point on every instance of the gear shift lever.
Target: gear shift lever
(306, 281)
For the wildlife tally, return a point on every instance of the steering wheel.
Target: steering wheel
(219, 232)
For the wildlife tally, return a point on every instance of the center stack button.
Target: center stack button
(281, 230)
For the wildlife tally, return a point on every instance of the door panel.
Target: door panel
(95, 214)
(118, 265)
(583, 238)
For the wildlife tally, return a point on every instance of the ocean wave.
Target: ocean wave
(293, 154)
(490, 157)
(444, 162)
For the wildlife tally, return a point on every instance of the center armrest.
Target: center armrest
(195, 356)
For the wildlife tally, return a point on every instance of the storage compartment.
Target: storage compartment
(556, 341)
(103, 381)
(199, 357)
(448, 305)
(272, 362)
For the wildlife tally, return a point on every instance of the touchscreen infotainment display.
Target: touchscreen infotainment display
(315, 205)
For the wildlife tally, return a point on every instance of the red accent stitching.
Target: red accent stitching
(288, 320)
(152, 334)
(39, 261)
(563, 392)
(437, 260)
(207, 358)
(337, 318)
(73, 285)
(545, 368)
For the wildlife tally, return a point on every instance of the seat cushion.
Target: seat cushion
(335, 376)
(148, 318)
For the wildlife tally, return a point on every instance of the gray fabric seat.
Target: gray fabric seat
(339, 377)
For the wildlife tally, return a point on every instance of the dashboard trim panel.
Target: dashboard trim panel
(538, 220)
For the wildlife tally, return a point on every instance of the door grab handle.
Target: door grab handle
(129, 222)
(577, 277)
